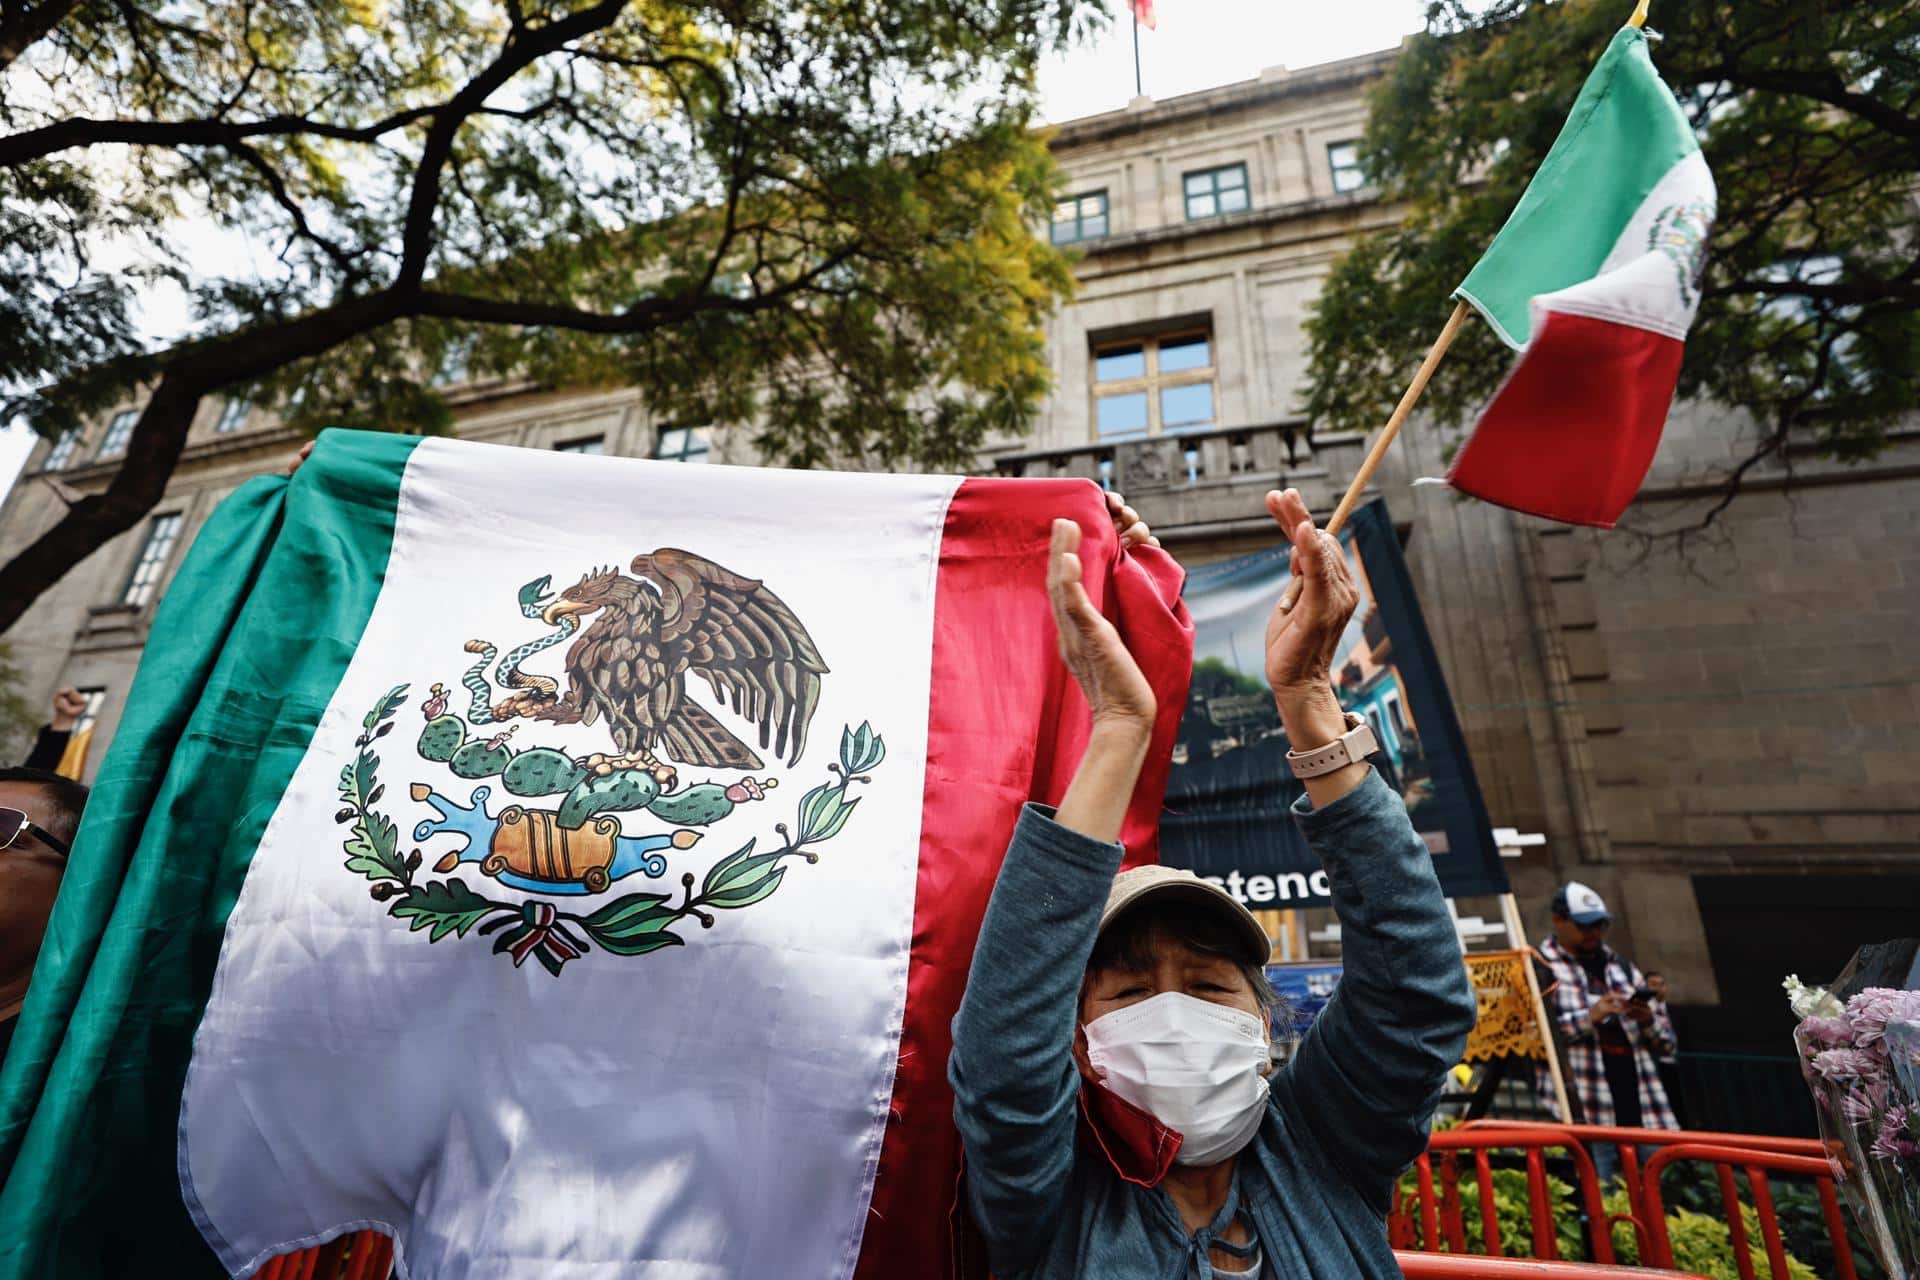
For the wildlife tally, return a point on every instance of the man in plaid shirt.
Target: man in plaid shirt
(1613, 1040)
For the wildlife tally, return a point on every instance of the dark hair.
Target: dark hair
(1127, 943)
(68, 798)
(1652, 973)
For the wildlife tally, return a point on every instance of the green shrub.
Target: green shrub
(1702, 1243)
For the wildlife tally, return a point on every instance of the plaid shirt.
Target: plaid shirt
(1567, 1004)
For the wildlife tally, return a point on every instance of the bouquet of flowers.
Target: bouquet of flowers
(1860, 1054)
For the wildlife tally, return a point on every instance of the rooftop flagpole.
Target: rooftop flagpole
(1137, 90)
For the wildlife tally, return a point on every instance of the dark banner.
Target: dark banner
(1228, 796)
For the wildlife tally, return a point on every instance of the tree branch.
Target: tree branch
(22, 27)
(524, 47)
(81, 131)
(1821, 86)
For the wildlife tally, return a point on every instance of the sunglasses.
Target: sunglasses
(13, 822)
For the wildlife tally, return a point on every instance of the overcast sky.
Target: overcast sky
(1197, 44)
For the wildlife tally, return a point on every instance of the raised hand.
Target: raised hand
(1302, 640)
(1127, 523)
(1092, 650)
(68, 706)
(1121, 699)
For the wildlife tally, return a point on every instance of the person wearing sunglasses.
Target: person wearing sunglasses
(39, 813)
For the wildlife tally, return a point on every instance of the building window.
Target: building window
(1216, 191)
(683, 444)
(162, 533)
(233, 416)
(62, 452)
(1344, 159)
(1151, 386)
(585, 444)
(119, 431)
(1080, 218)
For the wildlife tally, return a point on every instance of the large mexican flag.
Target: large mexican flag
(1594, 279)
(567, 865)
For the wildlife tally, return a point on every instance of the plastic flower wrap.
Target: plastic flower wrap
(1859, 1048)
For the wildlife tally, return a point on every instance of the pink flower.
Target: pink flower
(1872, 1009)
(1862, 1105)
(1828, 1031)
(1842, 1065)
(1895, 1141)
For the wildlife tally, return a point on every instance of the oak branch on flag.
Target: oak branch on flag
(1594, 279)
(560, 864)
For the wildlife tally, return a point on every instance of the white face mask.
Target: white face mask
(1193, 1065)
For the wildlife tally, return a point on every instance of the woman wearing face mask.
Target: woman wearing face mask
(1105, 1015)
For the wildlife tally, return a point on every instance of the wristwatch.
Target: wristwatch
(1351, 747)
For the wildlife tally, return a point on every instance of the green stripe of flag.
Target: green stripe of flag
(245, 653)
(1624, 133)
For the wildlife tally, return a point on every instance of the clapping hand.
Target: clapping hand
(1117, 692)
(1302, 640)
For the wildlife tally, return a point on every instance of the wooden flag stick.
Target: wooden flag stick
(1385, 439)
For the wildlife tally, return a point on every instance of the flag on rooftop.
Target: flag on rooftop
(1143, 13)
(557, 863)
(1594, 279)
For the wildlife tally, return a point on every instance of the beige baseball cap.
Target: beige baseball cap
(1161, 884)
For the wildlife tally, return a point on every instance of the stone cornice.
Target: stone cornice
(1269, 87)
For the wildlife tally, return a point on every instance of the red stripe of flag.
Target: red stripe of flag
(1572, 433)
(997, 680)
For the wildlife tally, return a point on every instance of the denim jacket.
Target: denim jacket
(1346, 1114)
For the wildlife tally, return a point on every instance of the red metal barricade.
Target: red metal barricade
(1453, 1266)
(1628, 1142)
(1442, 1223)
(364, 1255)
(1756, 1164)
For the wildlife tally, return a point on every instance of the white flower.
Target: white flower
(1810, 1002)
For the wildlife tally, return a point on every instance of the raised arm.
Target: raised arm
(1014, 1082)
(1367, 1075)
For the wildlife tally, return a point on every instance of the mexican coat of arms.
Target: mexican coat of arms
(572, 833)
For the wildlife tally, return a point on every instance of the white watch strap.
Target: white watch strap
(1356, 744)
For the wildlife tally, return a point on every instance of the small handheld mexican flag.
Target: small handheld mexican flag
(1594, 279)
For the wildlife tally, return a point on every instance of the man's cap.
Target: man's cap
(1580, 904)
(1176, 884)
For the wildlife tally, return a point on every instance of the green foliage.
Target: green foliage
(1808, 114)
(1510, 1210)
(1214, 678)
(811, 217)
(1702, 1243)
(1796, 1204)
(18, 717)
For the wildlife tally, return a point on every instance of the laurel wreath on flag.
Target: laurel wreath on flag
(631, 925)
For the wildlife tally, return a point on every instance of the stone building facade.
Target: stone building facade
(1725, 743)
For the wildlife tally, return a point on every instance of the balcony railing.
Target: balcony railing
(1187, 460)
